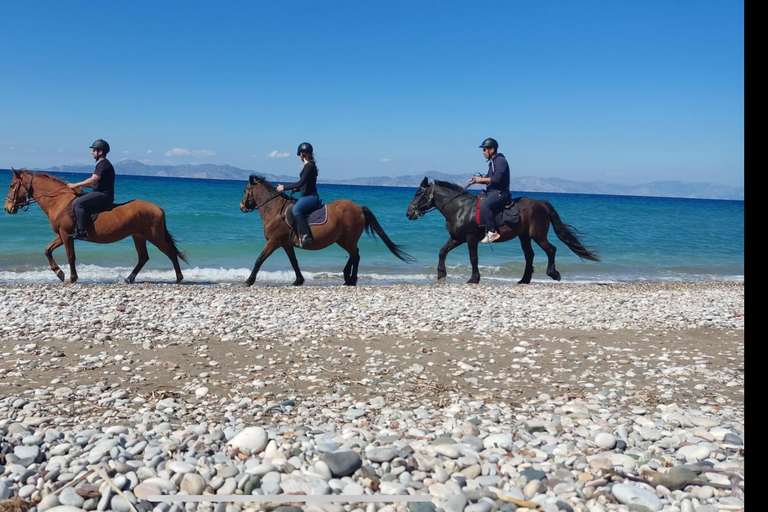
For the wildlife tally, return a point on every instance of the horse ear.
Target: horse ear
(252, 180)
(424, 182)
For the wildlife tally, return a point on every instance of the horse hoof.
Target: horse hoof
(441, 280)
(298, 282)
(247, 284)
(60, 275)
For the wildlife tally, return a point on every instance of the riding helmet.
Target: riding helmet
(101, 144)
(306, 148)
(490, 143)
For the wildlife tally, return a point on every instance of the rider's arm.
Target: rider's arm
(90, 182)
(298, 184)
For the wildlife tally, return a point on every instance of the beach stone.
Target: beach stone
(192, 483)
(69, 497)
(503, 441)
(381, 454)
(144, 490)
(605, 440)
(310, 485)
(253, 439)
(26, 452)
(693, 453)
(631, 494)
(421, 506)
(342, 463)
(48, 501)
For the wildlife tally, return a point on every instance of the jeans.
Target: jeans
(88, 204)
(495, 200)
(305, 205)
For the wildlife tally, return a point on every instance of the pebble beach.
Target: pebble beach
(557, 397)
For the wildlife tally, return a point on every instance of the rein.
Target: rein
(432, 198)
(250, 194)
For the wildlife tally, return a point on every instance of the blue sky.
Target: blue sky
(612, 91)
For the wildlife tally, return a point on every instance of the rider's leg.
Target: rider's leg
(493, 201)
(300, 210)
(86, 205)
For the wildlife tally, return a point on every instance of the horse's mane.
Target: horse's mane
(453, 186)
(58, 180)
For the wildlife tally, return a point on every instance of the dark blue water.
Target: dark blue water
(637, 238)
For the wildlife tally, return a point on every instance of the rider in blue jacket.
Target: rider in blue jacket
(497, 188)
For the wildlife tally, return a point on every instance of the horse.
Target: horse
(345, 223)
(140, 219)
(459, 209)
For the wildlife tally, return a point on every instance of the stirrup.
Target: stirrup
(491, 236)
(78, 235)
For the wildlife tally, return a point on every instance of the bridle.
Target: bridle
(28, 192)
(431, 199)
(249, 195)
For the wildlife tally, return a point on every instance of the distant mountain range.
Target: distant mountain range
(520, 184)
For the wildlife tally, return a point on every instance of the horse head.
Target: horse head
(422, 201)
(19, 191)
(257, 193)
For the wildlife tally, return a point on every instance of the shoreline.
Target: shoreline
(582, 380)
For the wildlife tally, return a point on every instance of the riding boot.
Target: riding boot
(305, 235)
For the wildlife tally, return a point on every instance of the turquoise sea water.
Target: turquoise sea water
(637, 238)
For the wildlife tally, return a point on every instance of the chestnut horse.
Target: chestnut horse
(345, 224)
(140, 219)
(459, 208)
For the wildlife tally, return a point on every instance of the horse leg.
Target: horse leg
(268, 249)
(472, 244)
(294, 263)
(69, 246)
(141, 249)
(166, 248)
(55, 243)
(350, 269)
(525, 243)
(550, 250)
(450, 245)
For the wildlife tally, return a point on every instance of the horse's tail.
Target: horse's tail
(172, 242)
(373, 227)
(568, 235)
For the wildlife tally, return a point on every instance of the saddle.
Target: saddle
(509, 215)
(92, 218)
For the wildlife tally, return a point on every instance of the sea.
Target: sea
(639, 239)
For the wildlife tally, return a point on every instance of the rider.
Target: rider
(102, 183)
(497, 190)
(307, 185)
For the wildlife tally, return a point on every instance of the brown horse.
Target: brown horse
(459, 209)
(140, 219)
(345, 224)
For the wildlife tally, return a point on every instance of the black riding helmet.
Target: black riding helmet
(490, 143)
(306, 148)
(102, 145)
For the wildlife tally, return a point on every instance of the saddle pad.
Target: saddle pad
(315, 217)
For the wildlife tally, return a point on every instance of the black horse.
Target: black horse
(459, 209)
